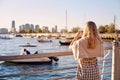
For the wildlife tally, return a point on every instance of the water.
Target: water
(12, 47)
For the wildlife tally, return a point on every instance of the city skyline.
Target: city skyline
(53, 12)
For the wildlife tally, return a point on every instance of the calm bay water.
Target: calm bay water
(12, 47)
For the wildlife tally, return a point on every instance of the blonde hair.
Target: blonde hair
(91, 34)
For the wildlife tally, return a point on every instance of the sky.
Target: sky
(53, 12)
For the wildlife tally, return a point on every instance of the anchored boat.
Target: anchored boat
(66, 42)
(44, 40)
(28, 45)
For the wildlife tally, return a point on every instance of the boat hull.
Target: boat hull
(64, 43)
(28, 45)
(31, 61)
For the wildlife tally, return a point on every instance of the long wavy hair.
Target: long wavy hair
(91, 34)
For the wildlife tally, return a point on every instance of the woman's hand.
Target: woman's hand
(77, 36)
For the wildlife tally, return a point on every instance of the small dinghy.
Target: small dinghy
(28, 45)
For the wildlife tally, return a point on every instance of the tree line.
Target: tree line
(102, 29)
(107, 28)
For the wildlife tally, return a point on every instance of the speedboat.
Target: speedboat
(27, 59)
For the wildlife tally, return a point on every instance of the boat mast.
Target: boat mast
(66, 20)
(116, 31)
(114, 22)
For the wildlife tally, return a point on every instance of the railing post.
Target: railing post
(115, 61)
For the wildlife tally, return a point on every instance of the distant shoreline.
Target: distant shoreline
(64, 35)
(68, 35)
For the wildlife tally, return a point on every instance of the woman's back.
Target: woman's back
(83, 52)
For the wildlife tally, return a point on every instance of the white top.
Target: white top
(23, 52)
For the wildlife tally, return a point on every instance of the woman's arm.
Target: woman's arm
(77, 36)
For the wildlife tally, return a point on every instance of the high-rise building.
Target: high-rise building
(21, 28)
(3, 31)
(45, 29)
(32, 27)
(13, 29)
(54, 30)
(36, 27)
(26, 27)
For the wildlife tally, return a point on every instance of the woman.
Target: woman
(86, 50)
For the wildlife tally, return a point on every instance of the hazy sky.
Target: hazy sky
(52, 12)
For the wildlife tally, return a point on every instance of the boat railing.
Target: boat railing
(115, 72)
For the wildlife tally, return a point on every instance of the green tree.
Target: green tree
(75, 29)
(101, 29)
(29, 31)
(111, 28)
(106, 28)
(38, 30)
(22, 31)
(45, 31)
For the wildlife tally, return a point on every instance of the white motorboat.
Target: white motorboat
(31, 58)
